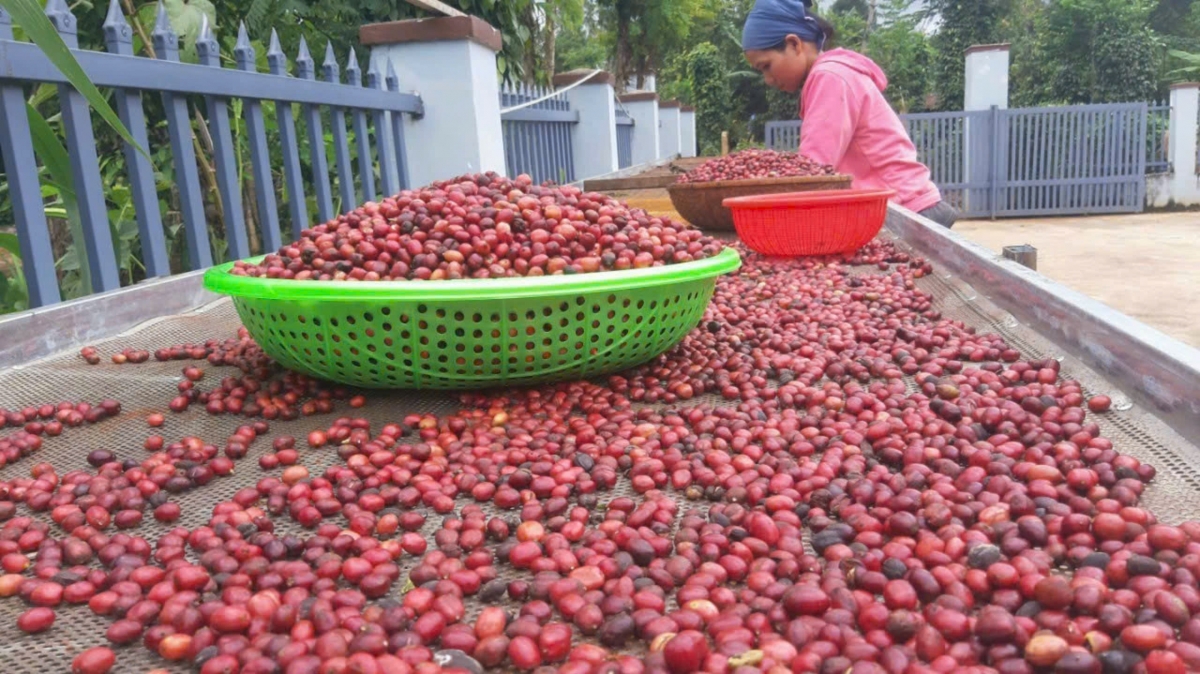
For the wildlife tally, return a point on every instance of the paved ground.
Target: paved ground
(1146, 266)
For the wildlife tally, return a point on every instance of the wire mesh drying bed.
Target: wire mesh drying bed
(142, 389)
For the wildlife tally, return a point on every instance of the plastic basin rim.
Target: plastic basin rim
(219, 280)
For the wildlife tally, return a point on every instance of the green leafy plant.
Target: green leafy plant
(1189, 65)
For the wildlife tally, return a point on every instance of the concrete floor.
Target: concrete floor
(1146, 266)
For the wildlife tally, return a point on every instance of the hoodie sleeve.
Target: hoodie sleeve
(830, 116)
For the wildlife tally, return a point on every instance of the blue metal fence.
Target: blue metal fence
(537, 138)
(783, 135)
(624, 139)
(942, 143)
(1032, 161)
(131, 76)
(1074, 159)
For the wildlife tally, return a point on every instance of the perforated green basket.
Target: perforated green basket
(474, 333)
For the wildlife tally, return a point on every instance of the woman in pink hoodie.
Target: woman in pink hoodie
(847, 121)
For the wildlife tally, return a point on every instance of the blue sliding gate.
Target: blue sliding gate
(1031, 161)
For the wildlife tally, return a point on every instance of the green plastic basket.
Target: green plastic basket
(474, 333)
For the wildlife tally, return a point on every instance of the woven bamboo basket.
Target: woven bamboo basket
(701, 203)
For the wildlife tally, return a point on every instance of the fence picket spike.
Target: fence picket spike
(118, 36)
(166, 42)
(273, 48)
(330, 62)
(207, 48)
(243, 51)
(304, 61)
(162, 22)
(64, 21)
(243, 37)
(115, 17)
(392, 79)
(353, 70)
(276, 59)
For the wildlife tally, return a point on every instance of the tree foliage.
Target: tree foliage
(1091, 51)
(710, 92)
(646, 32)
(963, 24)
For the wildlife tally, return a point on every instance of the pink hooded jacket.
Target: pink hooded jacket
(849, 125)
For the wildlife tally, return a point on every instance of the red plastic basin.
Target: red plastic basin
(810, 223)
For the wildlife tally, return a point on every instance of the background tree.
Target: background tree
(961, 24)
(1091, 51)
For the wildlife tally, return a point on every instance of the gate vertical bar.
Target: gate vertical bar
(260, 157)
(393, 85)
(362, 134)
(384, 144)
(1108, 158)
(228, 181)
(995, 173)
(1037, 194)
(317, 158)
(1139, 159)
(1089, 162)
(187, 179)
(306, 70)
(1016, 143)
(118, 37)
(20, 167)
(293, 180)
(1075, 160)
(341, 145)
(85, 166)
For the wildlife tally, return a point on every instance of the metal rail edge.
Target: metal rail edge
(30, 336)
(1156, 371)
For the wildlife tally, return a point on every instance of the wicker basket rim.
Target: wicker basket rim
(759, 182)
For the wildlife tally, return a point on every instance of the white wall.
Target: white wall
(645, 130)
(669, 136)
(460, 132)
(1181, 152)
(687, 133)
(594, 138)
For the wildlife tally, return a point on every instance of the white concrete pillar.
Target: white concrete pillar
(594, 138)
(986, 80)
(687, 131)
(1181, 151)
(451, 63)
(985, 86)
(643, 109)
(669, 136)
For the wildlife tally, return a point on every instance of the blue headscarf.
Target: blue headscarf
(771, 21)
